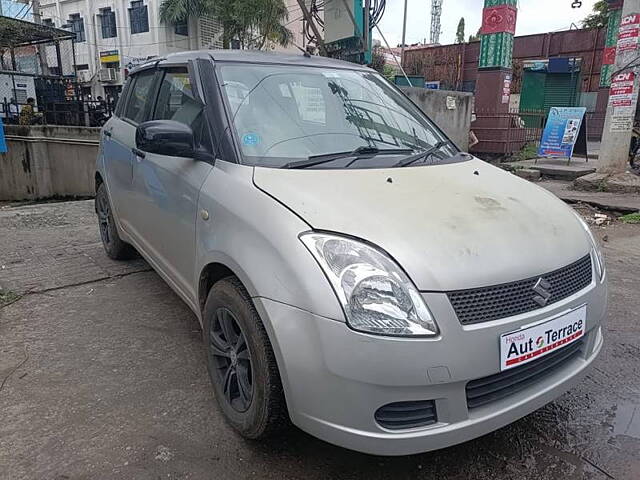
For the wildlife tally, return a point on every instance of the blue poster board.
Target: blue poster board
(3, 143)
(561, 132)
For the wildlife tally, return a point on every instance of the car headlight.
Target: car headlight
(376, 295)
(600, 268)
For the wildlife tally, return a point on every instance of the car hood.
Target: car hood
(451, 227)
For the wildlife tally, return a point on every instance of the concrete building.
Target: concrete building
(113, 36)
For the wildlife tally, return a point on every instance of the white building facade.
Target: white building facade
(113, 36)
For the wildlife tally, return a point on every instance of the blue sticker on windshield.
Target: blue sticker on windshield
(250, 139)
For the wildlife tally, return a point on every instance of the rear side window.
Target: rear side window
(140, 97)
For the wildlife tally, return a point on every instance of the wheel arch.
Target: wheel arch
(210, 274)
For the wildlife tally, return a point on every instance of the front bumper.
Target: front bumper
(335, 378)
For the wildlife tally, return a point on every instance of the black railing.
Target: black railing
(85, 113)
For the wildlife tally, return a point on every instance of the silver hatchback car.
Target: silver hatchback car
(352, 270)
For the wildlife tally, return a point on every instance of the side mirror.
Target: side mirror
(165, 137)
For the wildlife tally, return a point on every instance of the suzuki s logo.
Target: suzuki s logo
(542, 287)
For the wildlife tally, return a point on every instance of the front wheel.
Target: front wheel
(242, 365)
(115, 248)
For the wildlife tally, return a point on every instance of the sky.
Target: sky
(534, 16)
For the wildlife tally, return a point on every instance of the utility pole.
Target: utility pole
(623, 96)
(42, 54)
(404, 32)
(314, 27)
(35, 9)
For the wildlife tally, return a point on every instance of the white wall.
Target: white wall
(132, 48)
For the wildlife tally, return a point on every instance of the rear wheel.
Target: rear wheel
(113, 245)
(241, 363)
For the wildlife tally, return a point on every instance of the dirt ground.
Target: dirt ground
(103, 376)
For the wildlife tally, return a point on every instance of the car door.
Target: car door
(120, 133)
(167, 187)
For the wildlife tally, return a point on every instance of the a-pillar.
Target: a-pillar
(493, 86)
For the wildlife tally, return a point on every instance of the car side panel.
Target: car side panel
(257, 238)
(118, 168)
(166, 193)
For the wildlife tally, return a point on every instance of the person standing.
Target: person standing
(28, 114)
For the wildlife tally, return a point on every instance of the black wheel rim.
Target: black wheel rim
(104, 219)
(231, 360)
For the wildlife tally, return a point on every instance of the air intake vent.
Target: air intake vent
(495, 387)
(502, 301)
(404, 415)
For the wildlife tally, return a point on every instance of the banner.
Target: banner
(3, 143)
(561, 132)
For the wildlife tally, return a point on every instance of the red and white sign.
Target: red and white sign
(622, 93)
(499, 19)
(629, 33)
(524, 346)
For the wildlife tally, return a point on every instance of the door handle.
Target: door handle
(138, 153)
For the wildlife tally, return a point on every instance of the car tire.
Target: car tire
(246, 383)
(113, 245)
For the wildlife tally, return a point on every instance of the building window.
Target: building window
(82, 66)
(48, 22)
(182, 28)
(77, 26)
(108, 23)
(139, 17)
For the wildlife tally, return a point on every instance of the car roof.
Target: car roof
(252, 56)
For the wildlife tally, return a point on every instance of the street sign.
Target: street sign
(561, 132)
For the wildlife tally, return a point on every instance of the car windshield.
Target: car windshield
(283, 114)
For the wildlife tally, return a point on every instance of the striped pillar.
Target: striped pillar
(498, 29)
(495, 68)
(609, 54)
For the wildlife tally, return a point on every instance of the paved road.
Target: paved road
(105, 377)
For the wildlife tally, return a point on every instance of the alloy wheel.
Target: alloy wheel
(104, 219)
(231, 360)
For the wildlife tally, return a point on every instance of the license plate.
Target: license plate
(523, 346)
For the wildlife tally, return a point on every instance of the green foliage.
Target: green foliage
(631, 218)
(460, 31)
(174, 11)
(378, 61)
(529, 151)
(389, 73)
(599, 17)
(253, 23)
(7, 297)
(476, 37)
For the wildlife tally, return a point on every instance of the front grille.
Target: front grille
(403, 415)
(501, 301)
(495, 387)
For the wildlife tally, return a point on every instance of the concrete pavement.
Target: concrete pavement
(103, 376)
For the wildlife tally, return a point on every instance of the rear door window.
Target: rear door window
(141, 96)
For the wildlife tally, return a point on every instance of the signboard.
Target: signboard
(629, 33)
(506, 88)
(561, 132)
(109, 56)
(622, 94)
(435, 85)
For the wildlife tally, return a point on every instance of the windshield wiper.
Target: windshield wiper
(405, 162)
(358, 153)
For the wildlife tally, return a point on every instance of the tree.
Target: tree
(599, 17)
(254, 23)
(476, 37)
(460, 32)
(378, 61)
